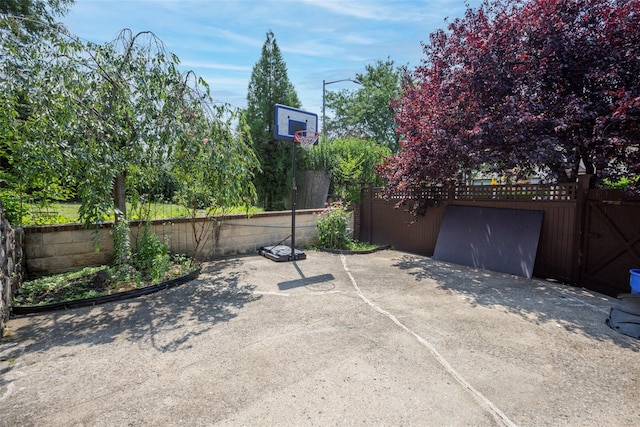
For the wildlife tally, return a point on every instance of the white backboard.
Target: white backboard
(289, 120)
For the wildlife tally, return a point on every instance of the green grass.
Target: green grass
(67, 213)
(351, 245)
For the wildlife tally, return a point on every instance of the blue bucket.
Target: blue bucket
(634, 281)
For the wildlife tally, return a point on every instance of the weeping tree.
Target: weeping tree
(22, 22)
(36, 16)
(215, 167)
(97, 115)
(101, 118)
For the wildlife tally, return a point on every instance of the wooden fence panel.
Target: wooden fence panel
(381, 223)
(589, 238)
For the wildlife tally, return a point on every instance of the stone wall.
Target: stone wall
(11, 266)
(59, 248)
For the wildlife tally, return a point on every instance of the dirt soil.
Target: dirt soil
(381, 339)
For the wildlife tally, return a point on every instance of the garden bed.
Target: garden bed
(356, 251)
(90, 286)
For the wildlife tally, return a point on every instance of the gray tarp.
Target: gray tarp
(625, 315)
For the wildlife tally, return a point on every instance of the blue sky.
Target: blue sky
(221, 40)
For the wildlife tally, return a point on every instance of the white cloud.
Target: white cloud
(212, 31)
(221, 40)
(214, 66)
(392, 11)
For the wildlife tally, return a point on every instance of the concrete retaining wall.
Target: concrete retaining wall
(59, 248)
(11, 266)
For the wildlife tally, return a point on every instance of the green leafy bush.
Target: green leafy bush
(621, 184)
(121, 242)
(333, 227)
(14, 208)
(321, 156)
(151, 257)
(353, 162)
(356, 161)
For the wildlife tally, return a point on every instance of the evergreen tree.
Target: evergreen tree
(270, 85)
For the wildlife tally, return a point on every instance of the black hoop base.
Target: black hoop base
(281, 253)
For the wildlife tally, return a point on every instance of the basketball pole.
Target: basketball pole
(294, 201)
(291, 124)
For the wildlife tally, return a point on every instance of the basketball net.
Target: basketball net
(306, 138)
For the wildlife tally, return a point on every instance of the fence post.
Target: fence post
(357, 217)
(451, 194)
(584, 184)
(370, 239)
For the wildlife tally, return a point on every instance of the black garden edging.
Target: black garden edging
(349, 252)
(120, 296)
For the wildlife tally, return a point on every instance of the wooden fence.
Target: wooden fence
(566, 252)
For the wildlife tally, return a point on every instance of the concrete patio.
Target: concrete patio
(387, 338)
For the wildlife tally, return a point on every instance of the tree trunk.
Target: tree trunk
(119, 199)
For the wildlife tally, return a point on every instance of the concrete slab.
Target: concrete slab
(381, 339)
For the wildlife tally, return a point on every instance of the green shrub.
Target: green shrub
(333, 227)
(356, 161)
(14, 208)
(321, 157)
(121, 243)
(621, 184)
(151, 256)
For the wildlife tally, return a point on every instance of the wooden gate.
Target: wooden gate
(610, 241)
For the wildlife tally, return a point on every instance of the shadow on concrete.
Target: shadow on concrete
(305, 281)
(537, 301)
(166, 320)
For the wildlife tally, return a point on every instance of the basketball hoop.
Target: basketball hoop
(298, 127)
(306, 138)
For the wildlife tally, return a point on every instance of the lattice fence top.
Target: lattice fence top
(533, 192)
(431, 193)
(556, 192)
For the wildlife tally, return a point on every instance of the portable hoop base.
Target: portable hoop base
(281, 253)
